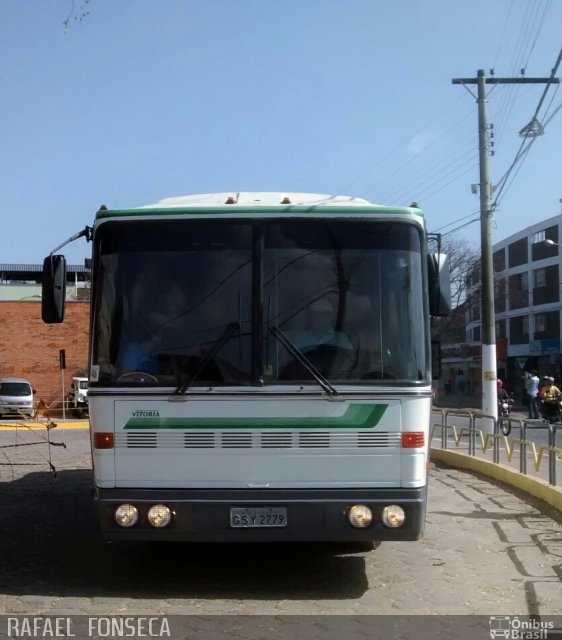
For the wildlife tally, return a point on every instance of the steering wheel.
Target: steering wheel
(331, 360)
(136, 376)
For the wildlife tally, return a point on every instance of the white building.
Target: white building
(527, 268)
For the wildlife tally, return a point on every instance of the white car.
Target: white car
(16, 397)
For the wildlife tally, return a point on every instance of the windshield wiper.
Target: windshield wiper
(231, 329)
(302, 359)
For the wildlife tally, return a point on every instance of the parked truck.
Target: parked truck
(78, 396)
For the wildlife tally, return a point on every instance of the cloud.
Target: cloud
(420, 142)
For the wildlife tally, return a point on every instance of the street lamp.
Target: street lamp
(551, 243)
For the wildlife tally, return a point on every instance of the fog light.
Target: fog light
(393, 516)
(126, 515)
(159, 516)
(360, 516)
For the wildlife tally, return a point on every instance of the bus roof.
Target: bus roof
(256, 199)
(235, 202)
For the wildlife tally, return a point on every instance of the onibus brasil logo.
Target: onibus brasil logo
(514, 628)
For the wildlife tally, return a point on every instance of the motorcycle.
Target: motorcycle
(504, 411)
(504, 407)
(551, 411)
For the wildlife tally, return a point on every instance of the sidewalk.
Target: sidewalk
(55, 425)
(509, 467)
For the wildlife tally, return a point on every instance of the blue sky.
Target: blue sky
(141, 100)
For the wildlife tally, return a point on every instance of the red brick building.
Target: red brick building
(29, 348)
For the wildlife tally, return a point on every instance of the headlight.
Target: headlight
(159, 516)
(360, 516)
(393, 516)
(126, 515)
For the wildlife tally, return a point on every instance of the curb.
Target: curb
(534, 486)
(84, 424)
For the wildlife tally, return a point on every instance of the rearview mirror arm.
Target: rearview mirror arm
(85, 233)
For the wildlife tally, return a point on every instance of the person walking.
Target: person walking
(532, 388)
(460, 383)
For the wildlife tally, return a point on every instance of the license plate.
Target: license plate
(246, 518)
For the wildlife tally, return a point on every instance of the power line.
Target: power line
(519, 154)
(532, 21)
(525, 150)
(506, 22)
(418, 192)
(425, 194)
(397, 148)
(470, 215)
(431, 168)
(462, 226)
(415, 158)
(539, 29)
(509, 96)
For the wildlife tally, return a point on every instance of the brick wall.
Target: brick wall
(29, 348)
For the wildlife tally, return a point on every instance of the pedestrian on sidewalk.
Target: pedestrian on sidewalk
(532, 388)
(460, 382)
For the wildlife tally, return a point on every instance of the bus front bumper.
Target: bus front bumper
(205, 515)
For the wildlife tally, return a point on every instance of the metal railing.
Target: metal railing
(493, 438)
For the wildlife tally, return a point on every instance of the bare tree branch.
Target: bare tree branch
(464, 261)
(76, 14)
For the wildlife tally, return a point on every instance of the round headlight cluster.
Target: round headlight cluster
(360, 516)
(393, 516)
(159, 516)
(126, 515)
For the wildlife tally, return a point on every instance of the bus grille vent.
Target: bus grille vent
(199, 440)
(281, 440)
(141, 440)
(314, 439)
(256, 439)
(236, 440)
(370, 439)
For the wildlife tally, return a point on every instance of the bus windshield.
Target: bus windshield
(199, 302)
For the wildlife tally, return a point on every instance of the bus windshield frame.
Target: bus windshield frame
(349, 294)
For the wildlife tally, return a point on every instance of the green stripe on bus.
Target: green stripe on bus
(258, 213)
(357, 416)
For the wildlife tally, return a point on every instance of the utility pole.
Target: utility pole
(489, 365)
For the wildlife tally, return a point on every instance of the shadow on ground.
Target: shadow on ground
(51, 547)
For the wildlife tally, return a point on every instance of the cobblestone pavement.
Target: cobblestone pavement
(486, 551)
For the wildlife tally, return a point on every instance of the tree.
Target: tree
(464, 265)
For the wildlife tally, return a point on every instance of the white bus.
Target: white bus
(260, 367)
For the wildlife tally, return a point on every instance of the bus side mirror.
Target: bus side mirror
(53, 289)
(439, 284)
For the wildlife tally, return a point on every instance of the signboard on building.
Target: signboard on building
(550, 346)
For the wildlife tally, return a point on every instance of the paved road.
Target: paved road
(486, 551)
